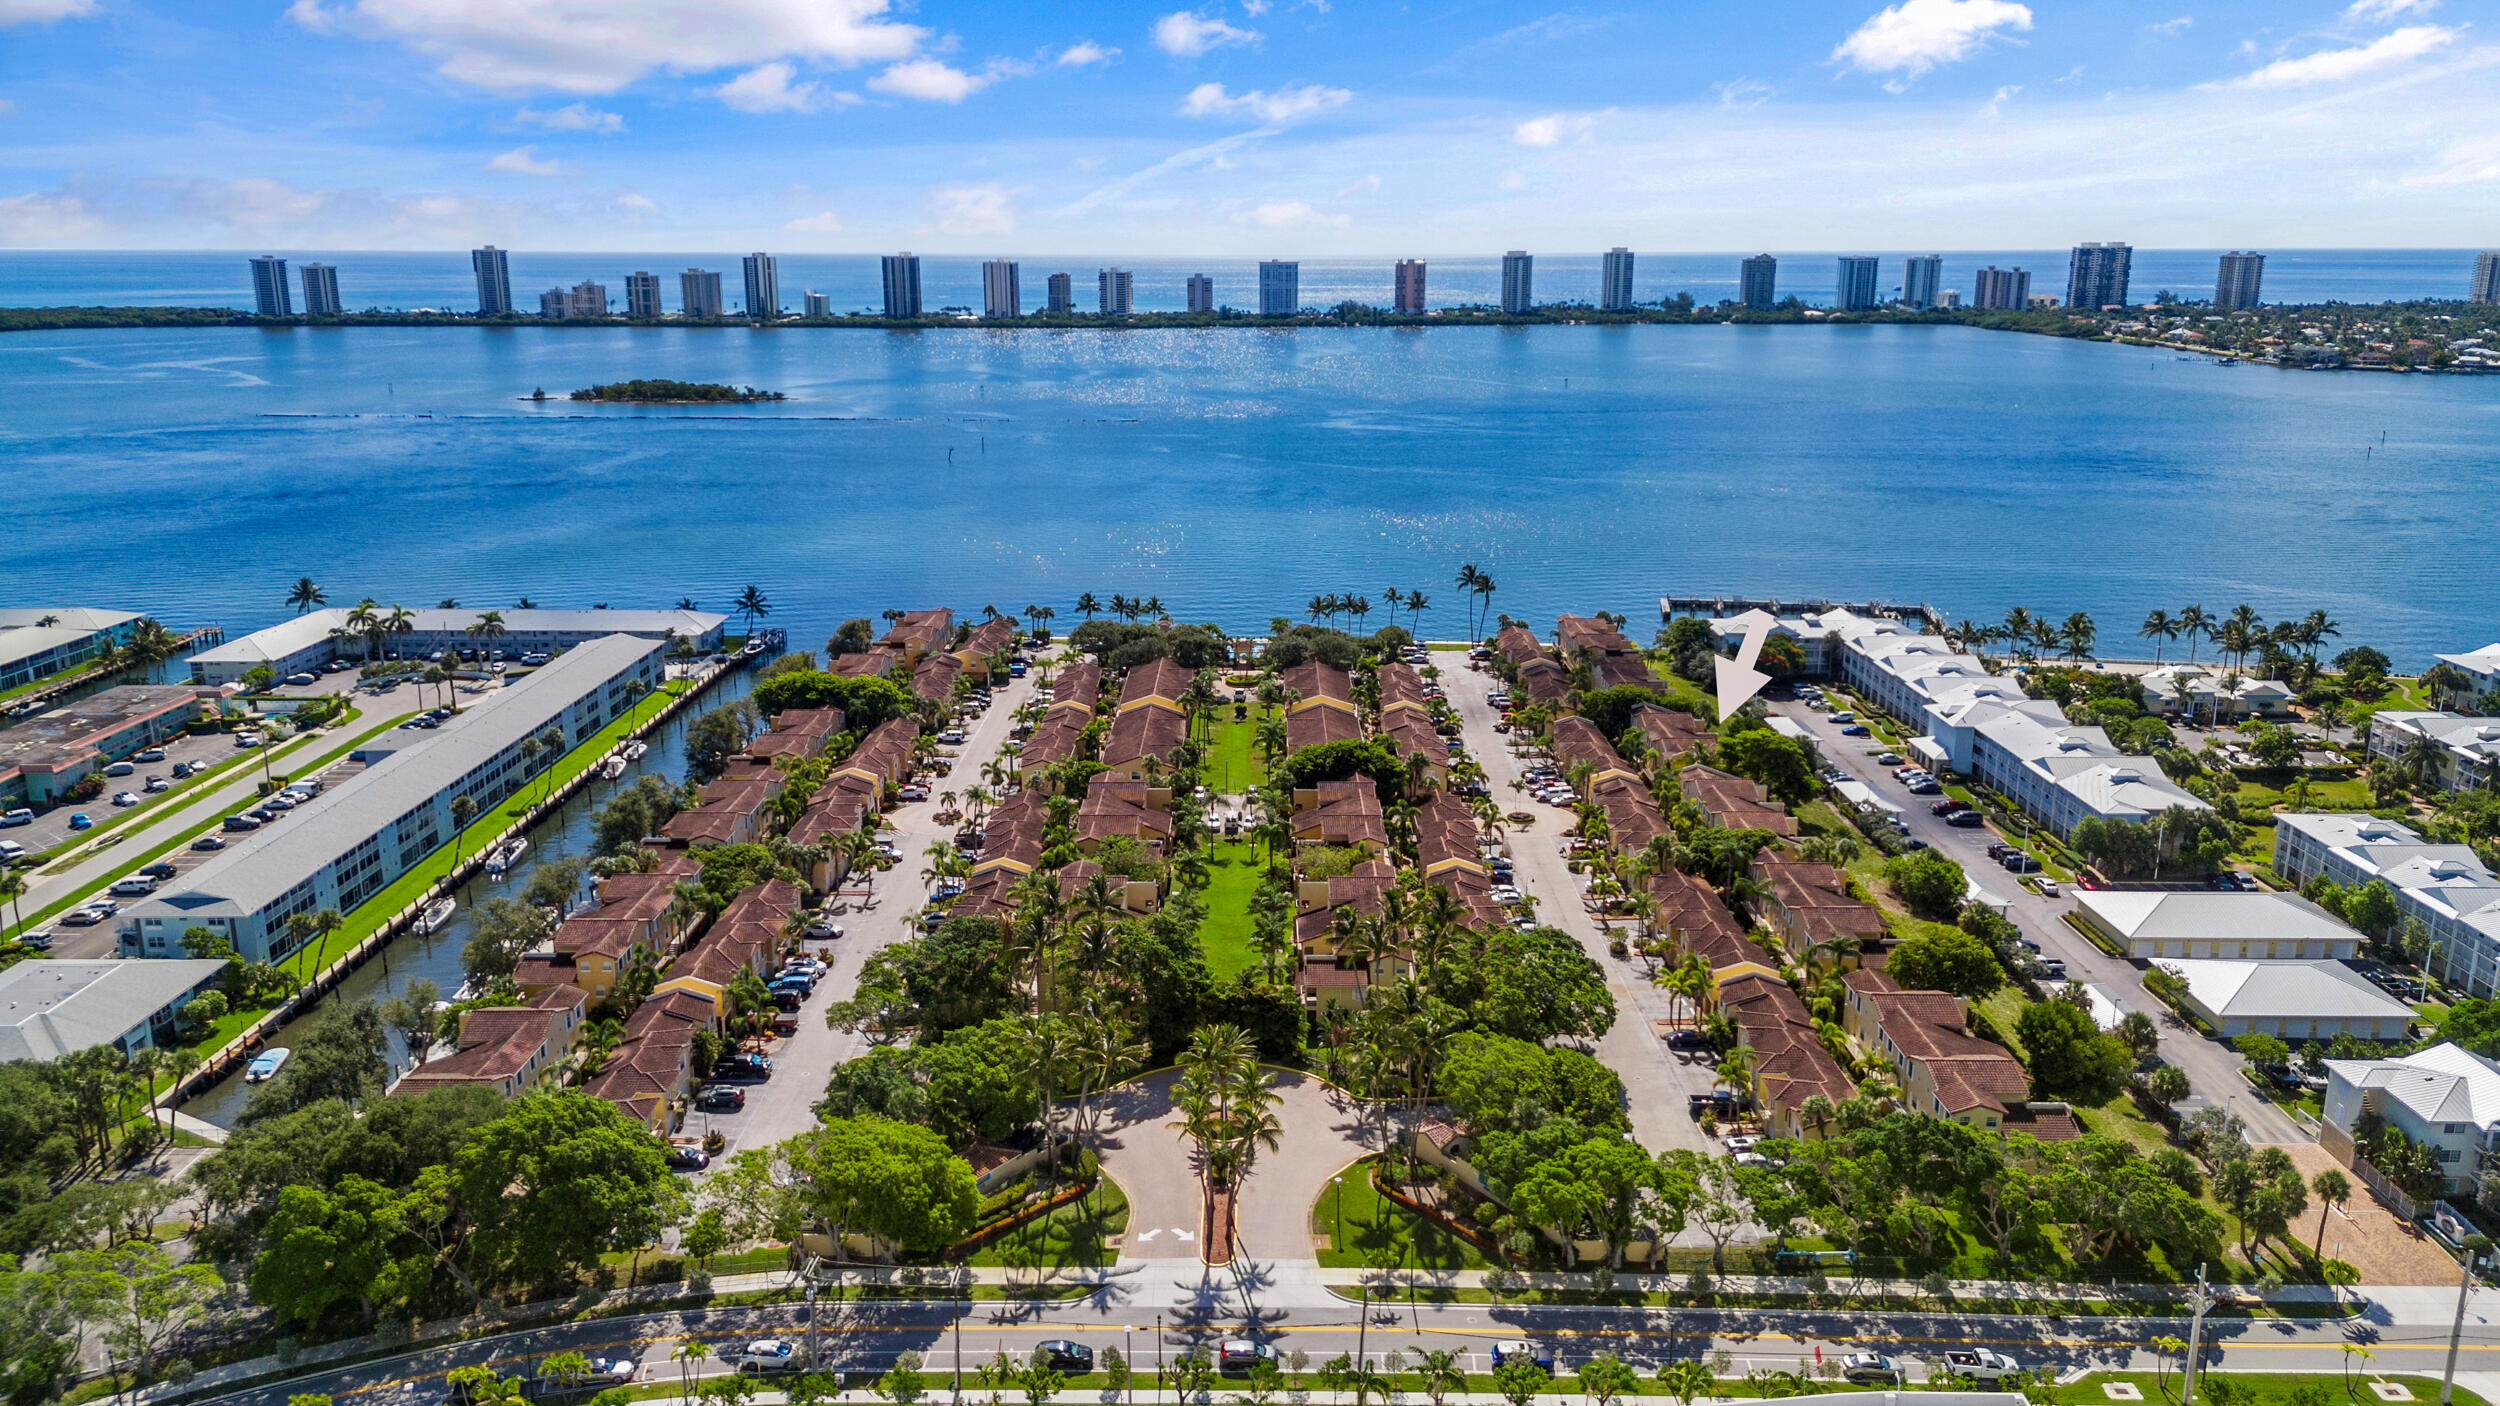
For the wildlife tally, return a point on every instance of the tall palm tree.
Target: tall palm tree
(2193, 622)
(1151, 608)
(1087, 606)
(2018, 623)
(1416, 605)
(1468, 576)
(751, 606)
(400, 621)
(488, 628)
(2077, 635)
(304, 595)
(1484, 592)
(13, 892)
(2158, 627)
(2317, 629)
(359, 624)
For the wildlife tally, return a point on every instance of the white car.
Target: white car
(768, 1355)
(125, 798)
(823, 929)
(1742, 1142)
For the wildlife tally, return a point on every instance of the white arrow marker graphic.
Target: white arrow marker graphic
(1738, 679)
(1184, 1235)
(1148, 1234)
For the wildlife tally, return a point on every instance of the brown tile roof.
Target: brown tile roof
(1414, 735)
(1401, 689)
(1323, 975)
(1149, 731)
(498, 1042)
(885, 751)
(1575, 739)
(1341, 813)
(1055, 739)
(1671, 734)
(1790, 1060)
(1078, 683)
(1519, 645)
(843, 805)
(1012, 833)
(670, 1010)
(1319, 683)
(1360, 889)
(1578, 634)
(921, 629)
(1445, 834)
(990, 637)
(1734, 801)
(1622, 671)
(1113, 808)
(590, 933)
(1313, 726)
(1160, 682)
(2045, 1121)
(1816, 898)
(1930, 1029)
(935, 677)
(1632, 815)
(797, 732)
(868, 664)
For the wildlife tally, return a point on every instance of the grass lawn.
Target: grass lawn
(1359, 1222)
(2332, 793)
(1074, 1236)
(1233, 870)
(1232, 762)
(1680, 688)
(2255, 1388)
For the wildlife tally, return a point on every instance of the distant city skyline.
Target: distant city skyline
(1228, 126)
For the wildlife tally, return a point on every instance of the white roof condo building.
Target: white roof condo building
(345, 845)
(313, 638)
(50, 1009)
(2446, 886)
(36, 642)
(2482, 665)
(2467, 749)
(2152, 924)
(2445, 1096)
(2293, 1001)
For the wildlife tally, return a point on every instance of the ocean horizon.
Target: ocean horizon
(404, 280)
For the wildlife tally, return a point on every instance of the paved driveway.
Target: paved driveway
(2212, 1068)
(1656, 1080)
(1142, 1149)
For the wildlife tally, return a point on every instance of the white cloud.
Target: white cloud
(1743, 92)
(2469, 162)
(2334, 65)
(2179, 25)
(1364, 185)
(1916, 35)
(822, 222)
(38, 220)
(1188, 35)
(2371, 11)
(1085, 51)
(1293, 214)
(523, 161)
(575, 117)
(1552, 129)
(931, 81)
(974, 211)
(639, 204)
(767, 88)
(43, 11)
(528, 45)
(1511, 180)
(1254, 8)
(1996, 102)
(1283, 105)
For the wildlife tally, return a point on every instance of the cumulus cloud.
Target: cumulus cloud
(1916, 35)
(529, 45)
(1996, 102)
(2372, 11)
(43, 11)
(822, 222)
(523, 161)
(639, 204)
(1511, 180)
(1085, 51)
(1554, 128)
(2469, 162)
(1743, 92)
(574, 117)
(971, 211)
(1293, 214)
(2335, 65)
(1187, 35)
(2179, 25)
(1361, 185)
(931, 81)
(39, 220)
(767, 88)
(1283, 105)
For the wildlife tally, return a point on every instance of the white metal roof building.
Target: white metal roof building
(2445, 1096)
(2221, 926)
(313, 638)
(2468, 748)
(49, 1009)
(2446, 886)
(31, 649)
(345, 845)
(2297, 1001)
(2481, 665)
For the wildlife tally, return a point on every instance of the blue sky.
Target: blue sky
(1313, 127)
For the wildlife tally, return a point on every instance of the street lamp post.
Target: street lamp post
(2474, 1245)
(2200, 1299)
(1158, 1354)
(1128, 1357)
(959, 1337)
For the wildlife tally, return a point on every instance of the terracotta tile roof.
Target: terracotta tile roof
(841, 806)
(1360, 890)
(2047, 1122)
(1623, 671)
(671, 1010)
(1323, 975)
(1401, 689)
(1519, 645)
(1077, 684)
(1575, 740)
(868, 664)
(797, 732)
(934, 678)
(1055, 739)
(1734, 801)
(1155, 683)
(1341, 813)
(1313, 726)
(1146, 731)
(1691, 909)
(921, 629)
(1113, 808)
(1319, 683)
(885, 752)
(990, 637)
(1671, 734)
(590, 934)
(498, 1043)
(1445, 835)
(1632, 815)
(1586, 634)
(1012, 834)
(1411, 729)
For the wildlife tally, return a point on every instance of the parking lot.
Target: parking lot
(52, 825)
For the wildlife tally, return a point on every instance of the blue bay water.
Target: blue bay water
(442, 279)
(196, 474)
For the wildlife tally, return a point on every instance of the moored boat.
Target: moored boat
(265, 1065)
(436, 915)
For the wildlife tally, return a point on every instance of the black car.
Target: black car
(1967, 819)
(158, 870)
(1999, 850)
(1065, 1357)
(1687, 1040)
(720, 1098)
(788, 1000)
(743, 1066)
(2020, 863)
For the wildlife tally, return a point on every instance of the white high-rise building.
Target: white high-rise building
(1409, 298)
(1117, 291)
(587, 299)
(1922, 280)
(1997, 289)
(269, 291)
(552, 304)
(321, 291)
(1280, 288)
(642, 294)
(2096, 276)
(819, 307)
(2486, 278)
(1614, 286)
(698, 295)
(1518, 281)
(1854, 289)
(1002, 293)
(763, 289)
(2237, 281)
(1757, 282)
(494, 281)
(1201, 293)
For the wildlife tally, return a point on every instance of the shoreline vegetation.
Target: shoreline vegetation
(2333, 336)
(665, 392)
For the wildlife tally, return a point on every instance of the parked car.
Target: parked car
(768, 1355)
(209, 844)
(120, 769)
(247, 739)
(1521, 1350)
(743, 1066)
(1687, 1040)
(156, 784)
(135, 886)
(1064, 1356)
(183, 770)
(1944, 807)
(721, 1098)
(2053, 968)
(81, 918)
(1888, 759)
(125, 798)
(1844, 716)
(2020, 863)
(19, 816)
(2047, 886)
(1857, 730)
(686, 1157)
(1981, 1365)
(1966, 819)
(1241, 1354)
(614, 1371)
(80, 820)
(1925, 786)
(823, 929)
(1866, 1367)
(148, 754)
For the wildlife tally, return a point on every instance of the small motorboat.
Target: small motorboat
(504, 857)
(634, 750)
(436, 915)
(265, 1065)
(612, 768)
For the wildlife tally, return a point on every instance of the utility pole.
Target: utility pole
(2200, 1300)
(811, 1322)
(959, 1335)
(2474, 1245)
(1128, 1353)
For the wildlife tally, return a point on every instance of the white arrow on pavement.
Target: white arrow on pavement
(1149, 1234)
(1184, 1234)
(1738, 679)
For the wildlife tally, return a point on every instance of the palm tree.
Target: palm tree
(1087, 606)
(1484, 592)
(400, 621)
(1358, 607)
(1416, 605)
(2157, 627)
(304, 595)
(488, 627)
(2194, 622)
(1151, 608)
(2077, 634)
(1468, 576)
(359, 624)
(12, 892)
(751, 606)
(2018, 623)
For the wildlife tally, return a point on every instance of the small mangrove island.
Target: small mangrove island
(670, 393)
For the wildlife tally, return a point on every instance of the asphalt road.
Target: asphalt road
(2212, 1067)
